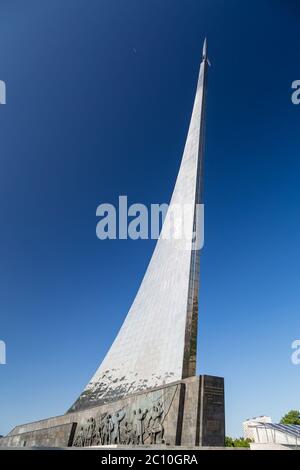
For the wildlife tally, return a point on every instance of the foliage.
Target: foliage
(239, 442)
(292, 417)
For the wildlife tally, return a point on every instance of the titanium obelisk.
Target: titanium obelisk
(146, 391)
(157, 342)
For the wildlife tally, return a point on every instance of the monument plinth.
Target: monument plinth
(188, 413)
(145, 390)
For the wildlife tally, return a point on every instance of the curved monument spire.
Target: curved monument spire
(157, 342)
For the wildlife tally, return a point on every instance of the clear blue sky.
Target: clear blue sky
(99, 96)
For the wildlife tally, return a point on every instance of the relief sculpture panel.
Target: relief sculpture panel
(141, 421)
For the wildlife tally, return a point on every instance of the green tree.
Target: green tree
(240, 442)
(292, 417)
(229, 442)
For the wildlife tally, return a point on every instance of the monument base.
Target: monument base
(187, 413)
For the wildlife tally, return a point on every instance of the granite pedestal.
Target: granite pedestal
(189, 412)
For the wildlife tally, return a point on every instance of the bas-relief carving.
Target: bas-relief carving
(137, 423)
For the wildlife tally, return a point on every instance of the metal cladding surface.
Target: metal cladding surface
(156, 344)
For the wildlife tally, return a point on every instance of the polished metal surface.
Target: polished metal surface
(157, 341)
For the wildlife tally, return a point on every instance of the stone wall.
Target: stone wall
(56, 436)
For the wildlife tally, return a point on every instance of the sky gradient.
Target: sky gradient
(99, 97)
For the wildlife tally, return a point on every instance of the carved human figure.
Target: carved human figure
(79, 441)
(90, 432)
(140, 416)
(155, 427)
(101, 429)
(107, 430)
(129, 436)
(96, 438)
(116, 420)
